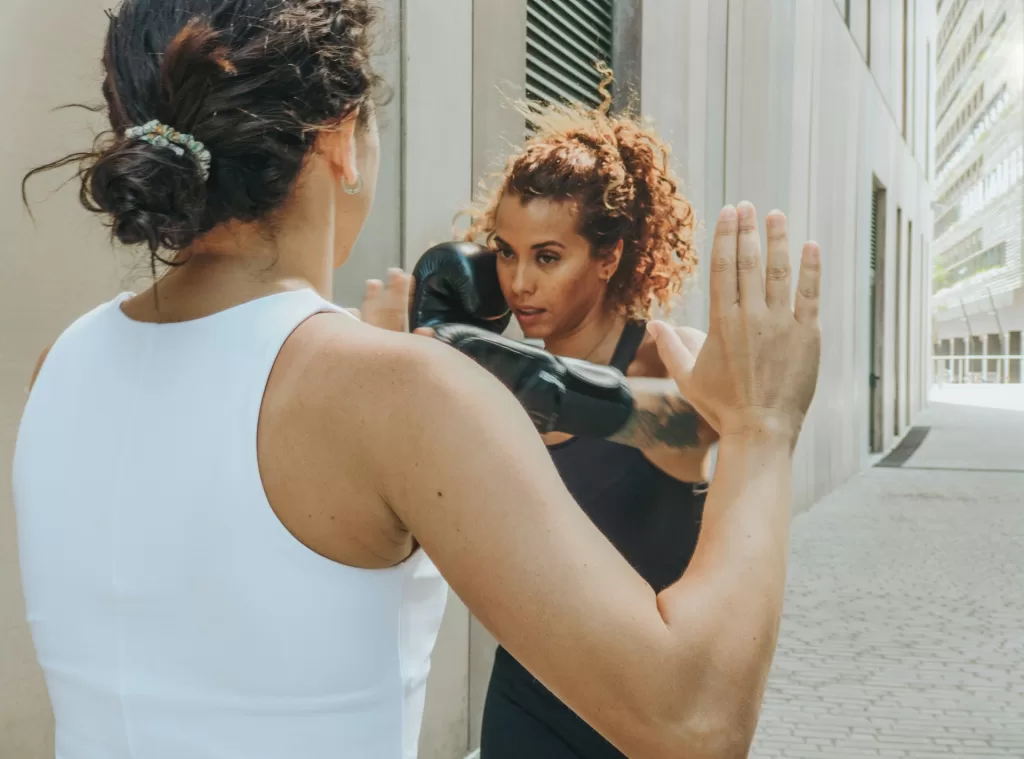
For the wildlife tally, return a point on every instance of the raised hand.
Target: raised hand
(757, 371)
(387, 306)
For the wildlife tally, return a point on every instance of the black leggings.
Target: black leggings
(524, 720)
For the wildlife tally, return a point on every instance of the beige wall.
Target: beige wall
(52, 271)
(64, 264)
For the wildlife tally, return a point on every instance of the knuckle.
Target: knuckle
(746, 263)
(778, 273)
(721, 264)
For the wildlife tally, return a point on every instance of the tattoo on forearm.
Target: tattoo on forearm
(662, 420)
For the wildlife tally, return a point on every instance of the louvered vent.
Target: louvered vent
(875, 198)
(564, 40)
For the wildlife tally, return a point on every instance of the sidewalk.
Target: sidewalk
(903, 632)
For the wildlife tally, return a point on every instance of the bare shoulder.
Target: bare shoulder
(349, 366)
(347, 411)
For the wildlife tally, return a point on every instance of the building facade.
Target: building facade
(978, 276)
(822, 109)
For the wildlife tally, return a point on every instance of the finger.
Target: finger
(777, 273)
(397, 317)
(425, 332)
(724, 294)
(693, 339)
(808, 288)
(678, 359)
(749, 269)
(371, 302)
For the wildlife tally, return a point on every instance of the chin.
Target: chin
(535, 331)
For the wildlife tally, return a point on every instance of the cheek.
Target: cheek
(575, 291)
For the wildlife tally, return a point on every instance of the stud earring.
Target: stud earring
(352, 189)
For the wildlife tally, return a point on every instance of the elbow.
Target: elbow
(712, 734)
(709, 706)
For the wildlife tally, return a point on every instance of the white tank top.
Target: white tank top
(173, 615)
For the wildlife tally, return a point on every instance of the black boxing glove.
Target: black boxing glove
(560, 394)
(457, 283)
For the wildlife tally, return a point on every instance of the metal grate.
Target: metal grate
(564, 41)
(875, 198)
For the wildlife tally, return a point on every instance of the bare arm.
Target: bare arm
(680, 674)
(669, 676)
(671, 434)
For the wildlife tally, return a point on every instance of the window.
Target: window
(1006, 174)
(949, 24)
(963, 57)
(964, 117)
(954, 256)
(959, 187)
(564, 41)
(906, 81)
(979, 127)
(928, 111)
(989, 259)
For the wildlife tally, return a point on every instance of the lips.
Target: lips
(528, 316)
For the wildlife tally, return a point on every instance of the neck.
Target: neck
(593, 339)
(239, 262)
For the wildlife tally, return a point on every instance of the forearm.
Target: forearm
(668, 430)
(731, 595)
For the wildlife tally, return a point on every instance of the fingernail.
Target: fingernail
(728, 213)
(745, 210)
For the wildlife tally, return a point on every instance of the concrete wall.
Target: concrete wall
(773, 101)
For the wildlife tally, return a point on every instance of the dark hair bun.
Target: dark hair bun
(255, 81)
(151, 194)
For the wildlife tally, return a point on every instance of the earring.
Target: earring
(352, 189)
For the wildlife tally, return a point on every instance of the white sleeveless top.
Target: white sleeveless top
(173, 615)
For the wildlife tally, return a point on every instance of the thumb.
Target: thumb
(677, 357)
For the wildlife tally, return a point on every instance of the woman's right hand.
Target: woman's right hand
(386, 306)
(757, 371)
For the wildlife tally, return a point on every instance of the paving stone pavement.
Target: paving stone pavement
(903, 630)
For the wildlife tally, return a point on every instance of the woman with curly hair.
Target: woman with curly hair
(591, 233)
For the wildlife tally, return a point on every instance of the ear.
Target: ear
(609, 261)
(338, 146)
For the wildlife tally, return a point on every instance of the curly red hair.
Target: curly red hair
(616, 169)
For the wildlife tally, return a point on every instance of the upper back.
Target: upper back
(173, 613)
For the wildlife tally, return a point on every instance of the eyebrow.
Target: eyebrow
(535, 246)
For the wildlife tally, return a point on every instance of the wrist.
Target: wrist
(762, 428)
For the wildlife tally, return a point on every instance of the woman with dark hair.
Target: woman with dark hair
(222, 484)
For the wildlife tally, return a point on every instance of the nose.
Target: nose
(522, 281)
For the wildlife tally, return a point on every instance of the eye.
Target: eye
(546, 258)
(505, 254)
